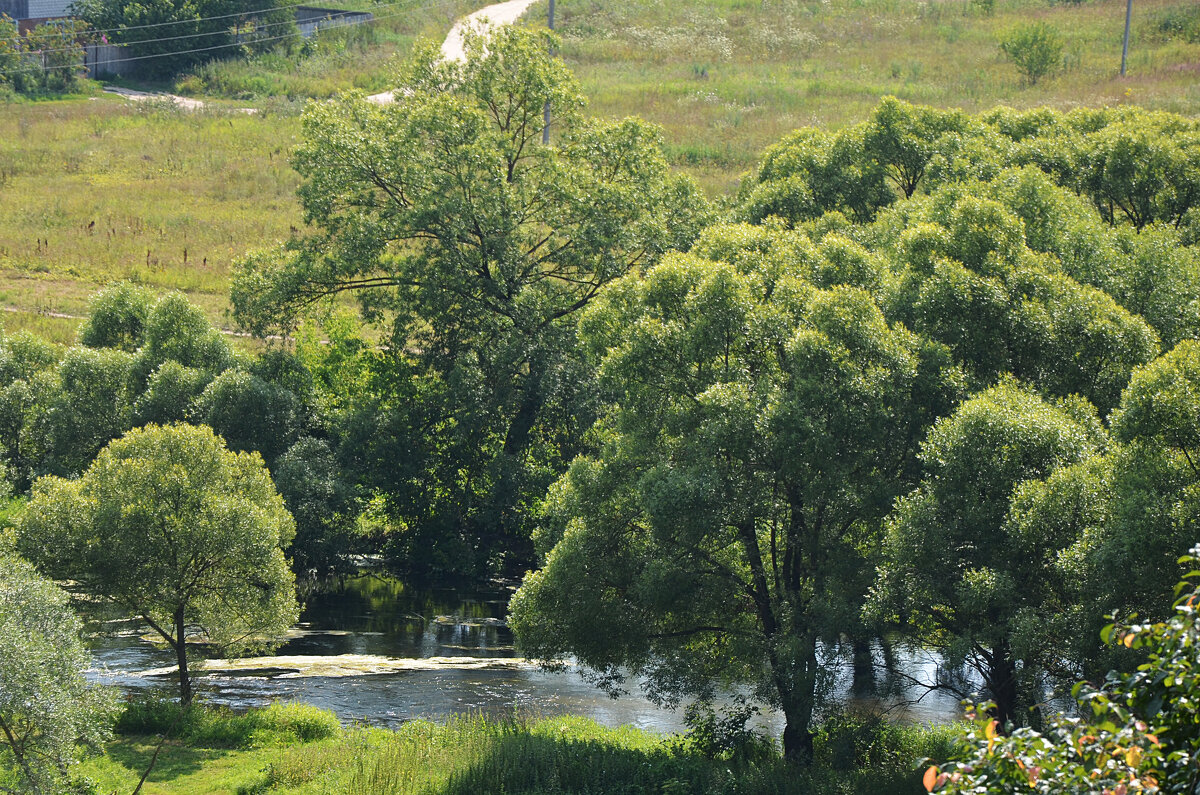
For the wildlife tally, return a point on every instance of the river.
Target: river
(443, 652)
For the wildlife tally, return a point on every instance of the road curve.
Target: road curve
(491, 16)
(494, 15)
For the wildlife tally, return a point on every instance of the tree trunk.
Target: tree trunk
(798, 735)
(185, 680)
(1002, 681)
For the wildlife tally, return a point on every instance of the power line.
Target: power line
(183, 21)
(225, 30)
(172, 38)
(235, 44)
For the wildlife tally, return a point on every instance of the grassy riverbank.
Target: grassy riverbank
(300, 750)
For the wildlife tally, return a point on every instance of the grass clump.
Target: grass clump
(1181, 23)
(219, 727)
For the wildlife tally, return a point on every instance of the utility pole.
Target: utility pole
(1124, 43)
(546, 109)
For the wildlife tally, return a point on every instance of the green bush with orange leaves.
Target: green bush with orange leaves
(1138, 733)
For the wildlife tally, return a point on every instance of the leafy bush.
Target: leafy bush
(1036, 49)
(1140, 731)
(220, 727)
(1181, 23)
(726, 735)
(46, 60)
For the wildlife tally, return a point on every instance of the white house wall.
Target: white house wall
(48, 8)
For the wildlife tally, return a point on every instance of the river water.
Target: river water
(432, 644)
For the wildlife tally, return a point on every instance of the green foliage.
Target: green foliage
(725, 735)
(950, 568)
(1130, 514)
(48, 712)
(472, 247)
(199, 29)
(1136, 733)
(177, 330)
(1036, 49)
(92, 408)
(170, 394)
(249, 413)
(45, 60)
(971, 281)
(176, 529)
(313, 486)
(1145, 172)
(117, 317)
(1161, 405)
(810, 173)
(758, 430)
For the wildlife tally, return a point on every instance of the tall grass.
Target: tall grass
(217, 727)
(299, 750)
(470, 755)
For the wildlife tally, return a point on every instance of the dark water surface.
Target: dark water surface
(381, 617)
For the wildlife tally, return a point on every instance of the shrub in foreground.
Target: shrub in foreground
(1139, 732)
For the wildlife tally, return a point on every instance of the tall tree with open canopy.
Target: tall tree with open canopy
(474, 246)
(48, 710)
(954, 570)
(759, 430)
(176, 529)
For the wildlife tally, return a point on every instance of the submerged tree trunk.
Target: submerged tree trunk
(185, 680)
(863, 666)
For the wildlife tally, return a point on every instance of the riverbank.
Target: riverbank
(299, 750)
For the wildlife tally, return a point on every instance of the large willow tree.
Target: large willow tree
(472, 246)
(759, 430)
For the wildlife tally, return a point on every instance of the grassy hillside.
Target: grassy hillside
(97, 188)
(728, 77)
(361, 56)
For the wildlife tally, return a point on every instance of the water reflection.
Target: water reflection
(371, 615)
